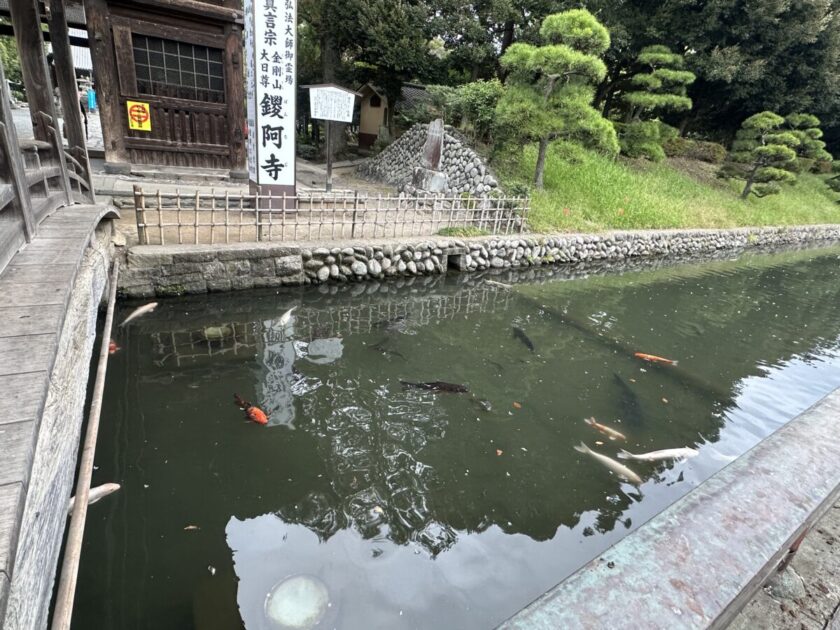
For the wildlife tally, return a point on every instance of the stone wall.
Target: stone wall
(181, 269)
(465, 170)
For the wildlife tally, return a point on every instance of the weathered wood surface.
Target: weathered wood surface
(35, 290)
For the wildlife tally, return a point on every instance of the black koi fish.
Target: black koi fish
(438, 386)
(520, 334)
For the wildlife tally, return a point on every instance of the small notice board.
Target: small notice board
(139, 116)
(331, 102)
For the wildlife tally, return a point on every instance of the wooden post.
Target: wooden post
(329, 156)
(235, 95)
(26, 23)
(14, 160)
(111, 109)
(65, 74)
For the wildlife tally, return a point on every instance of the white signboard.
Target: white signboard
(331, 103)
(271, 86)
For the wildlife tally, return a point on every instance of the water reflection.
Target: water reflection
(424, 509)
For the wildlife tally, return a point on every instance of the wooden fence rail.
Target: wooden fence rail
(208, 218)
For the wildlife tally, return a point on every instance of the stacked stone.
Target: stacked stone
(349, 264)
(465, 170)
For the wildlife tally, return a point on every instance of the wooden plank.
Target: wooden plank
(11, 505)
(124, 51)
(22, 396)
(181, 146)
(235, 95)
(30, 320)
(18, 444)
(50, 292)
(55, 250)
(12, 164)
(30, 353)
(111, 110)
(27, 274)
(194, 7)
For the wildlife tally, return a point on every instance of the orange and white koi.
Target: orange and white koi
(608, 431)
(652, 358)
(113, 347)
(252, 412)
(139, 312)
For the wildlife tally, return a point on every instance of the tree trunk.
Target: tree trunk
(540, 172)
(684, 125)
(749, 185)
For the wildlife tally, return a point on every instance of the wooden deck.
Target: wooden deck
(34, 292)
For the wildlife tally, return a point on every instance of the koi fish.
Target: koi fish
(520, 334)
(652, 358)
(140, 311)
(655, 456)
(286, 317)
(501, 285)
(619, 469)
(609, 432)
(438, 386)
(113, 347)
(94, 494)
(254, 414)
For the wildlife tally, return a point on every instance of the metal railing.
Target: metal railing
(210, 217)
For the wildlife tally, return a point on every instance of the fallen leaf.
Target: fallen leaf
(632, 380)
(599, 442)
(665, 400)
(191, 528)
(516, 405)
(499, 452)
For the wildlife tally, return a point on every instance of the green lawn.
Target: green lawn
(588, 192)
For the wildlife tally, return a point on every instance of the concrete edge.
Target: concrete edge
(698, 562)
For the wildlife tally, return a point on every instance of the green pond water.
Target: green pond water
(415, 509)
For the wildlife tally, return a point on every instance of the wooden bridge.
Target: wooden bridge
(48, 214)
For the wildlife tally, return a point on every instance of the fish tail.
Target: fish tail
(582, 448)
(590, 421)
(622, 454)
(674, 362)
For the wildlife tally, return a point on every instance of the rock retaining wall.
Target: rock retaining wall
(180, 269)
(465, 170)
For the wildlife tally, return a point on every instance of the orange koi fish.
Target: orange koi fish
(609, 432)
(254, 414)
(652, 358)
(113, 347)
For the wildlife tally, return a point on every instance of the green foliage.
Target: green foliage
(9, 57)
(762, 155)
(550, 88)
(663, 87)
(641, 139)
(462, 232)
(476, 103)
(806, 129)
(710, 152)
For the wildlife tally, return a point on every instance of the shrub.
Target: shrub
(700, 150)
(476, 102)
(641, 139)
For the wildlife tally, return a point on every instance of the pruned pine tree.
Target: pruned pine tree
(763, 155)
(834, 181)
(662, 88)
(550, 88)
(806, 128)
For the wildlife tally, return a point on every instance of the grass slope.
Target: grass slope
(585, 191)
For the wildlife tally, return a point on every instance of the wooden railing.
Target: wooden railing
(36, 178)
(207, 218)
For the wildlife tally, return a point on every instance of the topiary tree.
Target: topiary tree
(806, 128)
(834, 182)
(659, 90)
(549, 91)
(762, 155)
(662, 88)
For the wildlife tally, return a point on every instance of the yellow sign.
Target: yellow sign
(139, 116)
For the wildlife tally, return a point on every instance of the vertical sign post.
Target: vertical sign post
(271, 78)
(330, 102)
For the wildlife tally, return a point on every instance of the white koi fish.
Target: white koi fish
(140, 311)
(95, 494)
(286, 317)
(501, 285)
(619, 469)
(655, 456)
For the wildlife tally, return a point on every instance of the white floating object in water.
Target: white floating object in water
(297, 602)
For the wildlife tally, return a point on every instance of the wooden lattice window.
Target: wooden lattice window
(165, 67)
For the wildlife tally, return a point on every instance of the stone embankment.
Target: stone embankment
(181, 269)
(466, 171)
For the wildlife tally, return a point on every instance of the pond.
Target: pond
(382, 505)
